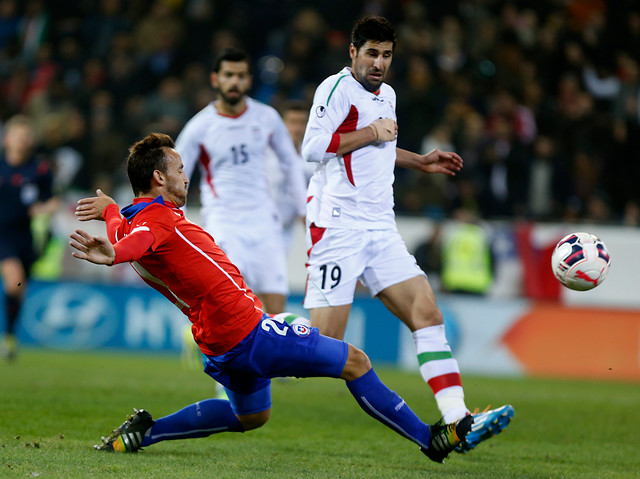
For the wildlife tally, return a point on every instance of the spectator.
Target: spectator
(25, 192)
(567, 71)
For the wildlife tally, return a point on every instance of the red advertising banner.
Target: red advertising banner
(554, 340)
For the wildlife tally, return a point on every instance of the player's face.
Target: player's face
(176, 181)
(232, 81)
(296, 123)
(18, 141)
(370, 63)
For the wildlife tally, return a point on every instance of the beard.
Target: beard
(178, 194)
(368, 83)
(232, 100)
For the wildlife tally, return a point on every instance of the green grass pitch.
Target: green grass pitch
(55, 405)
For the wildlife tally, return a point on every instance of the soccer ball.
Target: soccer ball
(580, 261)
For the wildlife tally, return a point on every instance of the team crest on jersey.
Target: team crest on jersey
(321, 111)
(301, 329)
(256, 133)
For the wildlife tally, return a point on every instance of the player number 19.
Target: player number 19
(334, 276)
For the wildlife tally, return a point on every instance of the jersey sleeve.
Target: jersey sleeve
(133, 246)
(112, 217)
(290, 164)
(329, 110)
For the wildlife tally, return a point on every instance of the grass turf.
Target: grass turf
(55, 405)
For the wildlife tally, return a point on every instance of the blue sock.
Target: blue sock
(197, 420)
(381, 403)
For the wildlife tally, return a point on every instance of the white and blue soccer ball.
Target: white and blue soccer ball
(580, 261)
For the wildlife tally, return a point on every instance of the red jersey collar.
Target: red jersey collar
(232, 116)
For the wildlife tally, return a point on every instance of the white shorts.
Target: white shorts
(257, 250)
(339, 258)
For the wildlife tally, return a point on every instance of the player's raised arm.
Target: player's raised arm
(95, 249)
(93, 207)
(435, 161)
(130, 248)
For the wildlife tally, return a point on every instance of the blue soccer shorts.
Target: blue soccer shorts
(274, 349)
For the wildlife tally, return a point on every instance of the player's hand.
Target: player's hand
(385, 129)
(94, 249)
(92, 208)
(437, 161)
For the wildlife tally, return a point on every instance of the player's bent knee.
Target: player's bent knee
(435, 317)
(357, 364)
(428, 316)
(254, 421)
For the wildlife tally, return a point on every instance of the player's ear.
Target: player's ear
(158, 177)
(353, 52)
(213, 79)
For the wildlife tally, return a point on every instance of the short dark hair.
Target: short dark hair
(372, 28)
(146, 156)
(230, 54)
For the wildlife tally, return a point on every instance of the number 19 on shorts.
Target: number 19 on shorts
(330, 275)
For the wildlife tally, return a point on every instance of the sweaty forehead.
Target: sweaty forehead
(380, 47)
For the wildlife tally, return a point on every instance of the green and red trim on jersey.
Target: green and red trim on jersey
(349, 124)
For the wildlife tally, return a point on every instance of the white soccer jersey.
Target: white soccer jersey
(231, 152)
(353, 191)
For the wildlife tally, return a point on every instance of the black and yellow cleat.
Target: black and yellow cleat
(446, 437)
(128, 437)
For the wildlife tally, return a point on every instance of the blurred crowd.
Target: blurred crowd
(541, 98)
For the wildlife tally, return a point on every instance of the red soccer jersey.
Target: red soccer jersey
(184, 263)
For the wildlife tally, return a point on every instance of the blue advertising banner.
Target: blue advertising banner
(71, 315)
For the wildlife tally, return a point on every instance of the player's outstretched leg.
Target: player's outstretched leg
(196, 420)
(384, 405)
(486, 424)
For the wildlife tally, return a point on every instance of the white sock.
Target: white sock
(440, 370)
